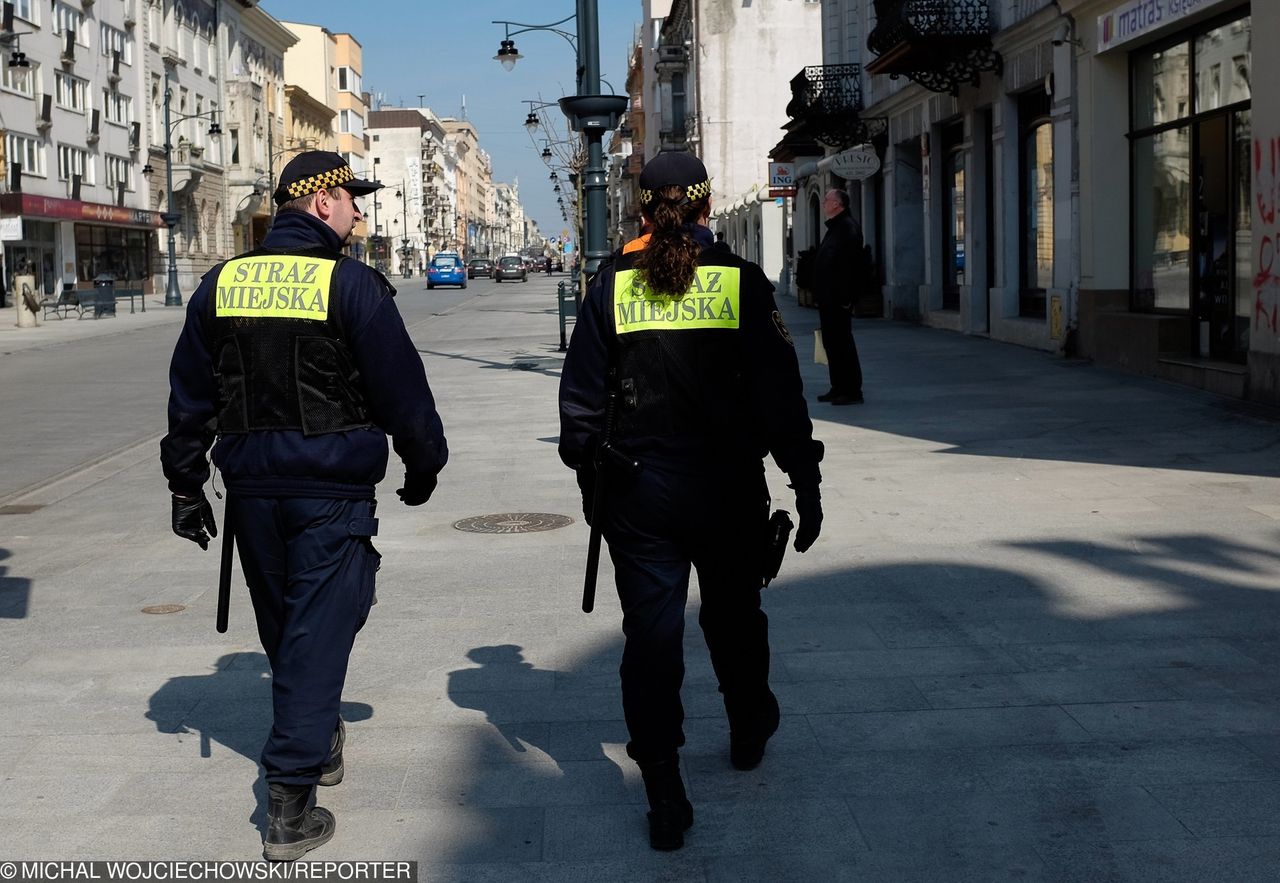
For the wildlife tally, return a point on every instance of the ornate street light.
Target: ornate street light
(172, 295)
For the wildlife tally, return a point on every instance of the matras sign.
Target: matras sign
(1138, 18)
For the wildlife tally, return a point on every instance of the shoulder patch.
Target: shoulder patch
(782, 328)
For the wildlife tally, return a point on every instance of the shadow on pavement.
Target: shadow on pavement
(984, 398)
(229, 707)
(1090, 712)
(15, 591)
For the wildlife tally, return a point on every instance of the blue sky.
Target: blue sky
(442, 51)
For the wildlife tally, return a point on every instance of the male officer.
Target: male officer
(839, 276)
(296, 361)
(688, 342)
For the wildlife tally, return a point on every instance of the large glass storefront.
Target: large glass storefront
(122, 252)
(34, 255)
(1189, 135)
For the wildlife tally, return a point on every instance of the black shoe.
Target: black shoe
(746, 745)
(845, 400)
(828, 395)
(294, 825)
(670, 812)
(331, 773)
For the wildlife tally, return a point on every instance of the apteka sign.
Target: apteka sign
(1138, 18)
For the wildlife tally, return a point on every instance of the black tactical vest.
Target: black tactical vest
(278, 347)
(679, 361)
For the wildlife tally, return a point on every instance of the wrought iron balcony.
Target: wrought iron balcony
(826, 106)
(939, 44)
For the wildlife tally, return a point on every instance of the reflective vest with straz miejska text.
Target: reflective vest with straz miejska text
(278, 346)
(679, 359)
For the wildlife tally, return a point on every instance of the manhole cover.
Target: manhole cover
(21, 508)
(164, 608)
(513, 522)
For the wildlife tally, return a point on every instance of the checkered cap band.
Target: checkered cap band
(694, 192)
(323, 181)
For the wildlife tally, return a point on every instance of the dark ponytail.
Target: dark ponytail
(670, 261)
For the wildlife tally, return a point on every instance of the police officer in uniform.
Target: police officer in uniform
(688, 340)
(295, 365)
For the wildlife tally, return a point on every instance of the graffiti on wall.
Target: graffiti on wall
(1266, 192)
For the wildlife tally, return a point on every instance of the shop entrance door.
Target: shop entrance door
(1220, 287)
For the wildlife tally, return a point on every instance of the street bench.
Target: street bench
(130, 293)
(95, 302)
(62, 304)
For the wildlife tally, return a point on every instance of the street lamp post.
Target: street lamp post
(172, 294)
(589, 112)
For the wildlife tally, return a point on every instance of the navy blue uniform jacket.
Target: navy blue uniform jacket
(287, 463)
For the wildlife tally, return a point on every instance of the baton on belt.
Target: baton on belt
(606, 453)
(224, 575)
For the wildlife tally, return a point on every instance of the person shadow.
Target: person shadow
(15, 591)
(231, 708)
(539, 752)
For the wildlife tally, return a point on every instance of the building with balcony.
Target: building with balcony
(719, 88)
(254, 126)
(75, 201)
(1082, 176)
(329, 67)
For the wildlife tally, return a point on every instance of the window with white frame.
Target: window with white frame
(115, 40)
(74, 161)
(67, 18)
(26, 150)
(119, 171)
(71, 92)
(27, 10)
(21, 80)
(117, 108)
(348, 80)
(351, 123)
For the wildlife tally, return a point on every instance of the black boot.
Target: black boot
(670, 812)
(331, 773)
(294, 825)
(749, 733)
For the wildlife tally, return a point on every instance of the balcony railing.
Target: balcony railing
(826, 106)
(940, 44)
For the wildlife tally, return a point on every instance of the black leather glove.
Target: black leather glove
(417, 489)
(192, 517)
(809, 508)
(587, 484)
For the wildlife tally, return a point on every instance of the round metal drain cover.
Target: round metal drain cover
(164, 608)
(513, 522)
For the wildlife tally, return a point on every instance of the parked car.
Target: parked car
(446, 269)
(510, 267)
(480, 267)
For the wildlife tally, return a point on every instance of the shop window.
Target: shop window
(953, 209)
(1222, 66)
(1161, 86)
(124, 253)
(1035, 199)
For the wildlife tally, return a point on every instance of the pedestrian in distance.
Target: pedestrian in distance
(294, 365)
(840, 274)
(680, 378)
(720, 244)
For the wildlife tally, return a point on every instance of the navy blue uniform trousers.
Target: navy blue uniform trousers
(659, 523)
(310, 566)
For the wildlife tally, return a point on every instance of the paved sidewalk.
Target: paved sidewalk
(54, 330)
(1037, 640)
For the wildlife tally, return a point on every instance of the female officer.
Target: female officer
(689, 341)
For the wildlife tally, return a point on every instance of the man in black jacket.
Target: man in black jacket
(295, 360)
(838, 276)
